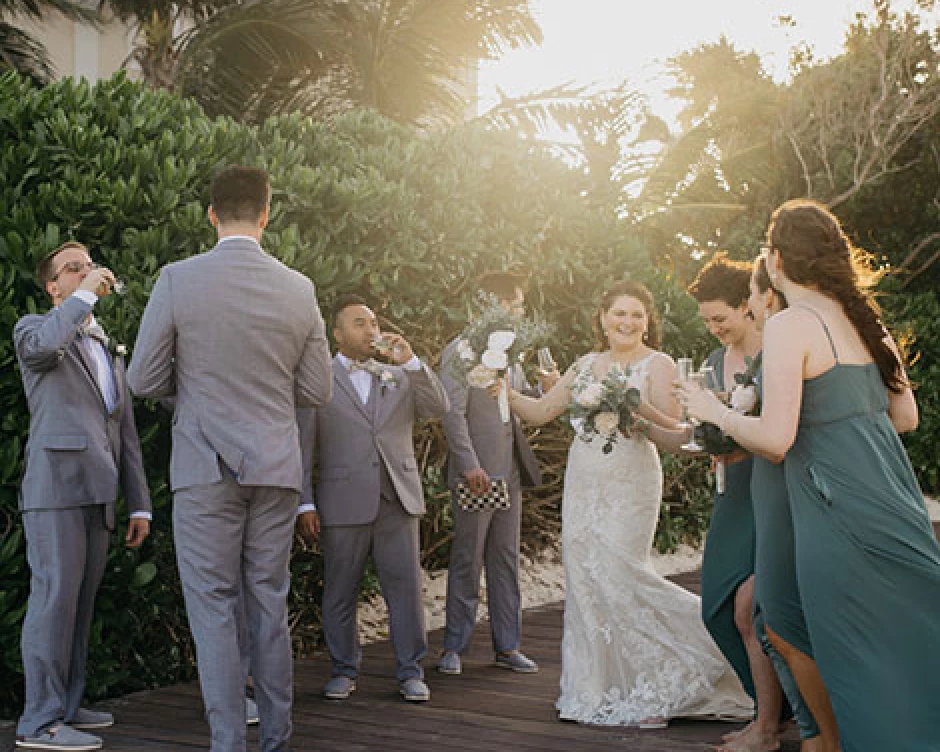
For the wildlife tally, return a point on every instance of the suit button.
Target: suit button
(375, 464)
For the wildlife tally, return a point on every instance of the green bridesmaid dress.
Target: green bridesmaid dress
(776, 593)
(867, 562)
(729, 553)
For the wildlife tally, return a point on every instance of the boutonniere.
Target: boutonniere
(118, 349)
(387, 380)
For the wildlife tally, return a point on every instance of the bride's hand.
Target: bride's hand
(700, 403)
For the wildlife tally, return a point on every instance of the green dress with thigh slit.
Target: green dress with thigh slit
(729, 553)
(867, 562)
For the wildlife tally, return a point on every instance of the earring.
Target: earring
(646, 337)
(766, 314)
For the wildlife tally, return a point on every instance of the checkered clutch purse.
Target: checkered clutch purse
(496, 498)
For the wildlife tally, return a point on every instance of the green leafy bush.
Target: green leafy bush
(360, 204)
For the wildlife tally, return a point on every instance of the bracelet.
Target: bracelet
(724, 423)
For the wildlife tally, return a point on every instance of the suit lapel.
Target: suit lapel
(387, 397)
(117, 370)
(89, 367)
(341, 377)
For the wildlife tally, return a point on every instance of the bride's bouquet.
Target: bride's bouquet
(491, 343)
(604, 408)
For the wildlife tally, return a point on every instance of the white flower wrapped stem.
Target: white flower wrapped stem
(495, 360)
(481, 377)
(465, 352)
(606, 423)
(500, 341)
(744, 398)
(502, 400)
(590, 396)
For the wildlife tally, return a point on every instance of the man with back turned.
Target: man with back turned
(238, 339)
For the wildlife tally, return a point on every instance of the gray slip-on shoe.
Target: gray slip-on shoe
(516, 661)
(60, 737)
(449, 663)
(90, 719)
(415, 690)
(339, 687)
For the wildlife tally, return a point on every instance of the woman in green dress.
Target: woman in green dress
(868, 566)
(722, 288)
(776, 594)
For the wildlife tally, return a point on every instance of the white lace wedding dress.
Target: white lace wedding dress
(634, 646)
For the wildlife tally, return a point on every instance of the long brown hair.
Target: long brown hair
(764, 283)
(631, 289)
(817, 253)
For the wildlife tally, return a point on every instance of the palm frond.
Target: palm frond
(22, 53)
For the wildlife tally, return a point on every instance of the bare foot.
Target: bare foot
(751, 739)
(732, 735)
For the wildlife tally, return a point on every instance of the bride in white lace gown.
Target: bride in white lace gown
(634, 650)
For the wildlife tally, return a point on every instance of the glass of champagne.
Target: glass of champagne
(683, 372)
(546, 361)
(699, 378)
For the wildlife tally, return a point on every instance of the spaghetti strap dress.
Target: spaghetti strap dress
(867, 563)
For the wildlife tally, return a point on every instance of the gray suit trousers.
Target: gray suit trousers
(67, 550)
(231, 542)
(487, 538)
(394, 541)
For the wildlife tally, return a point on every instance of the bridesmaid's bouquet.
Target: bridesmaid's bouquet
(604, 408)
(743, 398)
(491, 343)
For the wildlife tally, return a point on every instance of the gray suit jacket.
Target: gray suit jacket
(349, 439)
(238, 339)
(476, 436)
(76, 453)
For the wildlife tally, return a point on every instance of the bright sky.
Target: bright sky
(607, 41)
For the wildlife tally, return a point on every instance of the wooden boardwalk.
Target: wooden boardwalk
(486, 708)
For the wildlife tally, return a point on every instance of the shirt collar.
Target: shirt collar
(238, 237)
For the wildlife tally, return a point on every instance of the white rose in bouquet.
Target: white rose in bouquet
(591, 395)
(480, 376)
(744, 398)
(465, 352)
(606, 423)
(500, 341)
(495, 360)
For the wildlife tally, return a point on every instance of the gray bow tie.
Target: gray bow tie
(95, 331)
(369, 366)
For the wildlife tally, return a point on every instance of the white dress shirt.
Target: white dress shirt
(104, 375)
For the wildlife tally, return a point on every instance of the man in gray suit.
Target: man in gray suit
(82, 444)
(481, 447)
(369, 494)
(238, 338)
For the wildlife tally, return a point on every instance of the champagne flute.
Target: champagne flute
(546, 361)
(683, 371)
(692, 445)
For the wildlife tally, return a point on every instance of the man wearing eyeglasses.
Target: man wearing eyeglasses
(82, 443)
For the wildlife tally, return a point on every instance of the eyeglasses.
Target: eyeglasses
(75, 267)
